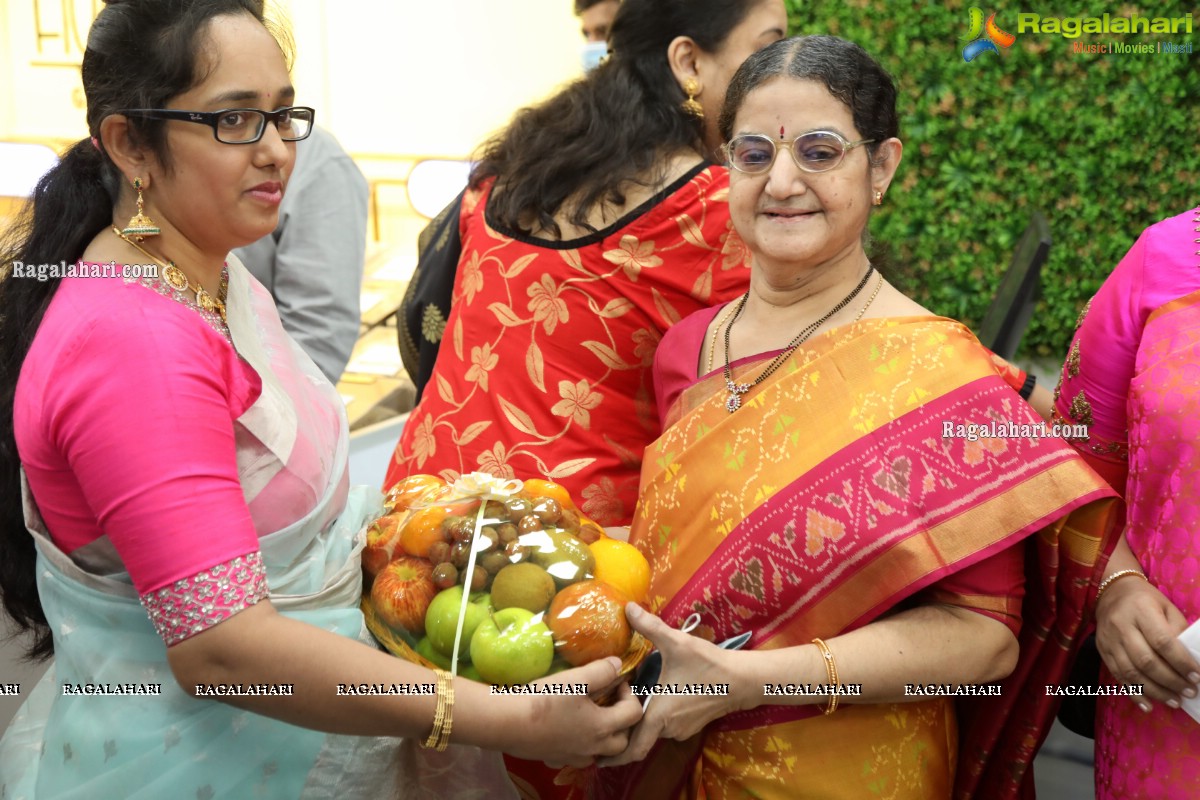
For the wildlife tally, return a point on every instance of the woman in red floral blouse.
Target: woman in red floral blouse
(592, 224)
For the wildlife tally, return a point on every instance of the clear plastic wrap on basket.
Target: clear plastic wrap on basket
(501, 581)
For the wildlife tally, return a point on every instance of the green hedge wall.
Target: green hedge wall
(1104, 145)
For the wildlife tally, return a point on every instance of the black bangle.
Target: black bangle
(1027, 387)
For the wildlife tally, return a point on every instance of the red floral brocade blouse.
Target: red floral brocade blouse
(544, 369)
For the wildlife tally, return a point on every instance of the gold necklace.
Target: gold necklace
(717, 323)
(178, 280)
(874, 294)
(736, 390)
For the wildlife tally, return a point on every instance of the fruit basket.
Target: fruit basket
(501, 581)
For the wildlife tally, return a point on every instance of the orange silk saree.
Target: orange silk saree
(839, 492)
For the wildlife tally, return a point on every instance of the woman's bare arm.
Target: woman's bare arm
(929, 644)
(259, 645)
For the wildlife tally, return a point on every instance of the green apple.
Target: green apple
(469, 671)
(441, 620)
(512, 645)
(426, 649)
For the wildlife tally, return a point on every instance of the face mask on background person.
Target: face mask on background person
(592, 53)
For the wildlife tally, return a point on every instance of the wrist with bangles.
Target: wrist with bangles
(832, 675)
(443, 716)
(1116, 576)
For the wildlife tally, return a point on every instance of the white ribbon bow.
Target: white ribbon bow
(484, 483)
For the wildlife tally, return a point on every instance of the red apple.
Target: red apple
(402, 593)
(383, 544)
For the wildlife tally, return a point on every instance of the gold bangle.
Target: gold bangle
(438, 714)
(443, 715)
(832, 673)
(448, 723)
(1124, 573)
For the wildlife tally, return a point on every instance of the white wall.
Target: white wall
(430, 78)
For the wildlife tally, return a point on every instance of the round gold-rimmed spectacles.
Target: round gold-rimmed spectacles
(816, 151)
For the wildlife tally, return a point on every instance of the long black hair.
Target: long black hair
(608, 129)
(140, 54)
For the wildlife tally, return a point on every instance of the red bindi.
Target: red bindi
(780, 131)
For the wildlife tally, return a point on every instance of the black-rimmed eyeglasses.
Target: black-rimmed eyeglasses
(817, 151)
(240, 125)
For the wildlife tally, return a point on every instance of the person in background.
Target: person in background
(596, 17)
(1132, 376)
(591, 225)
(813, 489)
(174, 504)
(312, 263)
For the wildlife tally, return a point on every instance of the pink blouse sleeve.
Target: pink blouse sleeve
(1094, 384)
(1101, 364)
(994, 587)
(142, 410)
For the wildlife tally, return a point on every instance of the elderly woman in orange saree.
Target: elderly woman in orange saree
(866, 499)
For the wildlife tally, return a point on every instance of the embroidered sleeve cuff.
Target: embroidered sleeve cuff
(194, 604)
(1092, 443)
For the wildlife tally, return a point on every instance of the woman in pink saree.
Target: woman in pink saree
(175, 511)
(1133, 376)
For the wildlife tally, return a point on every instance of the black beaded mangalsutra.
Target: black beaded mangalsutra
(736, 390)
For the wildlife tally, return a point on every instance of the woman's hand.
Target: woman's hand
(686, 659)
(247, 648)
(1136, 635)
(566, 730)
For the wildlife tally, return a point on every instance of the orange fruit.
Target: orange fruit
(461, 508)
(588, 622)
(423, 529)
(540, 488)
(407, 492)
(622, 565)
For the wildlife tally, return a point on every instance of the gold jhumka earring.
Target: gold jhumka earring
(140, 226)
(692, 105)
